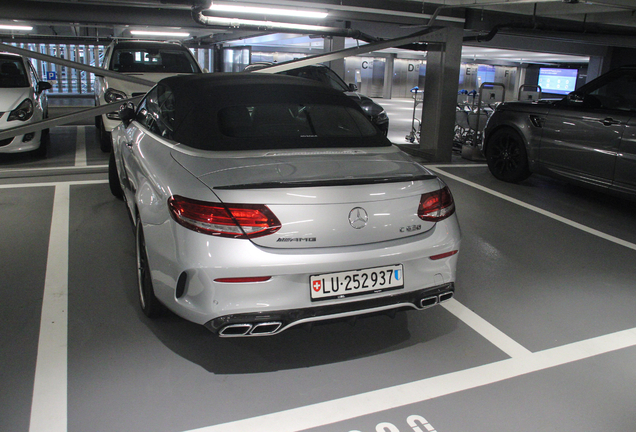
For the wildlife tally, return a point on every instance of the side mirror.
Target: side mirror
(127, 113)
(575, 97)
(43, 85)
(353, 87)
(583, 100)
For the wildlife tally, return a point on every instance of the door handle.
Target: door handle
(609, 122)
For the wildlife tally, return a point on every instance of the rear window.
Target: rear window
(153, 60)
(247, 112)
(12, 73)
(289, 120)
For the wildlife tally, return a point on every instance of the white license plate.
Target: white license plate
(356, 282)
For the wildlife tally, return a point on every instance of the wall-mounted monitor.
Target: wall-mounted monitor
(485, 73)
(556, 80)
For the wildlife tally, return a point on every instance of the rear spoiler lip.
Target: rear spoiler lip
(323, 183)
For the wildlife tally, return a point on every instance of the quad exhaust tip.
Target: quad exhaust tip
(427, 302)
(273, 327)
(445, 296)
(248, 329)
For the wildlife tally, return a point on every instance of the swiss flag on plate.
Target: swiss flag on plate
(317, 286)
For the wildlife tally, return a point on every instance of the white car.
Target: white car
(150, 60)
(262, 202)
(22, 101)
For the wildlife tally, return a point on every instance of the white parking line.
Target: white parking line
(472, 165)
(45, 184)
(347, 408)
(80, 147)
(485, 329)
(554, 216)
(49, 405)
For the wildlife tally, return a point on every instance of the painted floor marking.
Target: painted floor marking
(538, 210)
(49, 404)
(45, 184)
(80, 147)
(347, 408)
(49, 408)
(473, 165)
(485, 329)
(69, 168)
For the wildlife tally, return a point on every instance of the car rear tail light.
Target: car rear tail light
(224, 220)
(244, 279)
(436, 206)
(443, 255)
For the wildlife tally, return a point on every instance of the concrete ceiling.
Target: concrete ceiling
(566, 27)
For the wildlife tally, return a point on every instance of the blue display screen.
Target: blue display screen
(485, 73)
(559, 81)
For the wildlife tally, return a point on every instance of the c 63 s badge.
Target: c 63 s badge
(411, 228)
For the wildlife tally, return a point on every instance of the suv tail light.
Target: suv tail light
(436, 206)
(224, 220)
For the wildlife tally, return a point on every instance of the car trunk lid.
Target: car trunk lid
(323, 198)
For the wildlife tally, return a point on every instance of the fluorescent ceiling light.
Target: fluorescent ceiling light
(158, 33)
(268, 11)
(15, 27)
(270, 25)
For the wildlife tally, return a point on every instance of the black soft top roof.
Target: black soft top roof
(243, 85)
(198, 98)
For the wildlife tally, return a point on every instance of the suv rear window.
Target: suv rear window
(153, 60)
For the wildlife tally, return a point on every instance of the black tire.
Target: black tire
(105, 143)
(149, 303)
(45, 143)
(507, 157)
(113, 178)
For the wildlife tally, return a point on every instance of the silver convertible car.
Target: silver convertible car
(262, 202)
(588, 137)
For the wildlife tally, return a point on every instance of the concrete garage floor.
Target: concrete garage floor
(541, 336)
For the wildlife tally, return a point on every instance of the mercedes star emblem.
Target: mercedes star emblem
(358, 218)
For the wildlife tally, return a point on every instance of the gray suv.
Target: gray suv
(588, 137)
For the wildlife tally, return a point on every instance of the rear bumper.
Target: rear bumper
(274, 322)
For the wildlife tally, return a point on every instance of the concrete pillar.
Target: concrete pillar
(443, 63)
(387, 90)
(520, 79)
(336, 44)
(594, 67)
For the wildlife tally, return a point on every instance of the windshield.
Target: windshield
(321, 74)
(12, 73)
(153, 60)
